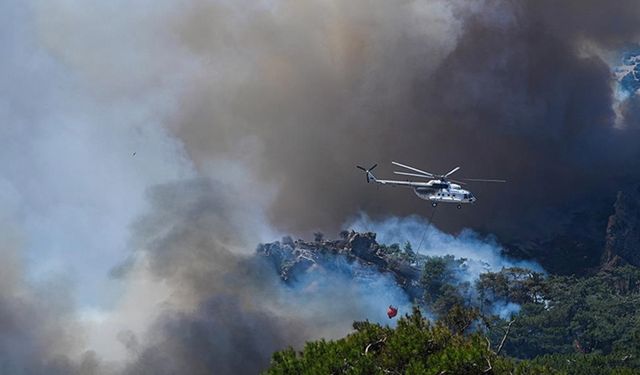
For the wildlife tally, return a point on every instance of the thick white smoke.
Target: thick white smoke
(482, 254)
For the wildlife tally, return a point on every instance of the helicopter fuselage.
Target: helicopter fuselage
(444, 192)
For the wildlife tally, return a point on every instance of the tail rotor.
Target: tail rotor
(367, 172)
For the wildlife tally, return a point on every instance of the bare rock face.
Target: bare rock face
(623, 230)
(292, 259)
(365, 247)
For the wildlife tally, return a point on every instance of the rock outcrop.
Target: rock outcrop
(623, 230)
(292, 259)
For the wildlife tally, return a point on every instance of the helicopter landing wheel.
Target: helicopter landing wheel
(434, 204)
(459, 206)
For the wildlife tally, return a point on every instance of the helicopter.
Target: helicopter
(439, 189)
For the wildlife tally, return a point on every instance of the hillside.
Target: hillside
(556, 323)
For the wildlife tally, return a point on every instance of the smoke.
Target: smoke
(303, 91)
(36, 319)
(515, 90)
(482, 254)
(227, 310)
(477, 254)
(505, 310)
(159, 142)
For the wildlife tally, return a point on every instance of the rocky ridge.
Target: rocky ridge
(593, 249)
(291, 259)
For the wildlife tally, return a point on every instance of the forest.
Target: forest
(514, 321)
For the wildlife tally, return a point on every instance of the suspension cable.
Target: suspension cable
(426, 229)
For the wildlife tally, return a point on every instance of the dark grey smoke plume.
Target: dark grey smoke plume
(194, 238)
(231, 309)
(518, 90)
(221, 336)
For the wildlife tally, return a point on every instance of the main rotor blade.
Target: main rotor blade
(362, 168)
(374, 167)
(451, 172)
(413, 169)
(412, 174)
(483, 180)
(457, 181)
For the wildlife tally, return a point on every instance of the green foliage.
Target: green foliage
(518, 285)
(596, 364)
(394, 254)
(566, 325)
(460, 319)
(415, 346)
(408, 249)
(439, 273)
(568, 315)
(418, 346)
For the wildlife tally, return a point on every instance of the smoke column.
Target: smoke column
(147, 148)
